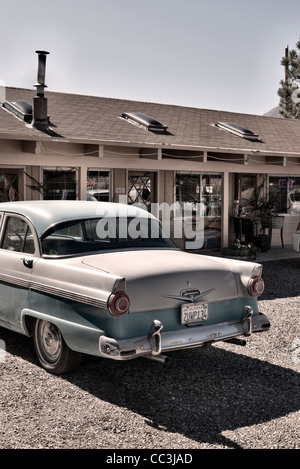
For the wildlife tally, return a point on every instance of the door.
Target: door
(17, 258)
(141, 189)
(11, 185)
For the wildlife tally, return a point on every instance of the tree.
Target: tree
(289, 92)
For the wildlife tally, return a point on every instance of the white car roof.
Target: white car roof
(46, 213)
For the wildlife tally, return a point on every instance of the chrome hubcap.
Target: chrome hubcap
(51, 340)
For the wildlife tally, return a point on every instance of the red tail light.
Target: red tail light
(118, 304)
(256, 286)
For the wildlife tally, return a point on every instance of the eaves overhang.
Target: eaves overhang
(37, 136)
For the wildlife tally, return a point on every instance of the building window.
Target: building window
(204, 189)
(60, 184)
(202, 194)
(98, 185)
(284, 193)
(211, 194)
(11, 181)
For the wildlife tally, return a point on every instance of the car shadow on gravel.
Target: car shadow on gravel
(199, 394)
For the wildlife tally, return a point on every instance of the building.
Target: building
(59, 145)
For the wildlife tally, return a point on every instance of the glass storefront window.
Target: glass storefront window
(211, 194)
(98, 185)
(203, 192)
(284, 193)
(60, 184)
(248, 183)
(204, 189)
(9, 187)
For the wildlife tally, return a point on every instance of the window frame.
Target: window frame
(89, 190)
(58, 242)
(62, 170)
(28, 226)
(200, 175)
(287, 178)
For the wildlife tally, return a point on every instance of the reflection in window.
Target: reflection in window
(248, 183)
(92, 235)
(9, 184)
(98, 183)
(18, 236)
(60, 184)
(211, 194)
(141, 189)
(284, 193)
(201, 195)
(204, 189)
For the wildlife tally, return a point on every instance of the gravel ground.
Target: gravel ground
(224, 397)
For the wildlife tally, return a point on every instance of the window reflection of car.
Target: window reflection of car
(294, 201)
(98, 195)
(104, 279)
(64, 194)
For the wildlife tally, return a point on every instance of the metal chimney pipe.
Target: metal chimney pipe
(40, 108)
(286, 64)
(40, 85)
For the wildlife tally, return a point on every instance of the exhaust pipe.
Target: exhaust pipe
(157, 358)
(237, 341)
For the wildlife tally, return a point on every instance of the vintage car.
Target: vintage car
(103, 279)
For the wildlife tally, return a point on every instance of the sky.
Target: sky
(222, 55)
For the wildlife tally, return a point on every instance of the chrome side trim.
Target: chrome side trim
(69, 295)
(14, 280)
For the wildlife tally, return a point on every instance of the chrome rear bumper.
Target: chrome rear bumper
(156, 342)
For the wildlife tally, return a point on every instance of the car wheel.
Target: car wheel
(52, 351)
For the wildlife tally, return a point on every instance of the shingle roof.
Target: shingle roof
(96, 119)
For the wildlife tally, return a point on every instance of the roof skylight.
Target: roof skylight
(145, 121)
(20, 108)
(238, 130)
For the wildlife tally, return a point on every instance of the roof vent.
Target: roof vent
(142, 120)
(20, 108)
(238, 130)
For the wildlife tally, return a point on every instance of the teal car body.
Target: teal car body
(75, 279)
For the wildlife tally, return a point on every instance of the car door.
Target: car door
(17, 256)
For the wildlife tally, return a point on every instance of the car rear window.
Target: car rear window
(90, 235)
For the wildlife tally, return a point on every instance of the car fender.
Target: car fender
(79, 334)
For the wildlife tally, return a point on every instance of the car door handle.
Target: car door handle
(27, 262)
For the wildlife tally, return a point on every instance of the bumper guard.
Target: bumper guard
(151, 345)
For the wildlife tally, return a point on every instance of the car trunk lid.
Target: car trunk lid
(163, 279)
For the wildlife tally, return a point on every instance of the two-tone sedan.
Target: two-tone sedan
(103, 279)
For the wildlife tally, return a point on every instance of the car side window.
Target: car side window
(18, 236)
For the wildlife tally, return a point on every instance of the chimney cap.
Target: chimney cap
(44, 52)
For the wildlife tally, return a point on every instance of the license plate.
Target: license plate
(194, 312)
